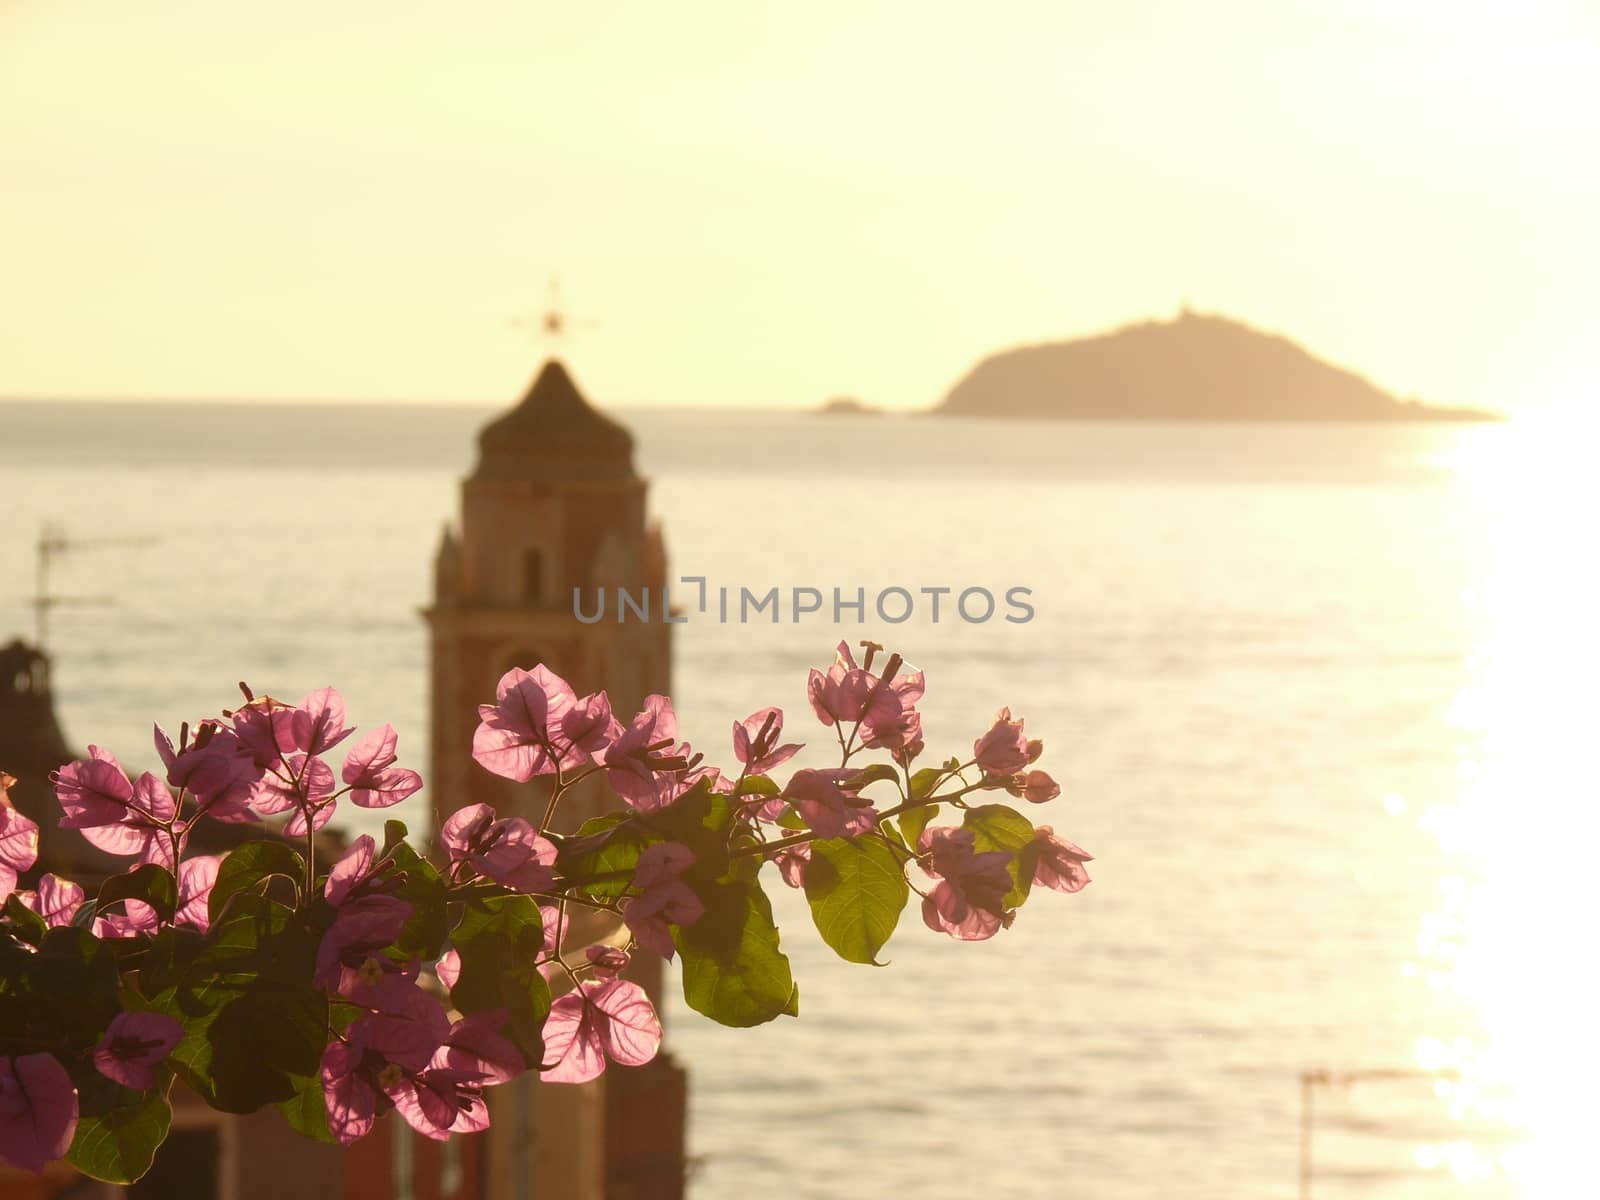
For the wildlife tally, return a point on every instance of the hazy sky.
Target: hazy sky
(775, 203)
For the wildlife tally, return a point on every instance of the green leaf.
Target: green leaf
(64, 993)
(600, 858)
(25, 923)
(254, 1026)
(857, 891)
(247, 866)
(307, 1110)
(498, 940)
(86, 915)
(119, 1144)
(914, 820)
(874, 773)
(733, 971)
(394, 832)
(701, 820)
(924, 781)
(758, 785)
(598, 825)
(16, 960)
(425, 930)
(73, 981)
(999, 827)
(152, 884)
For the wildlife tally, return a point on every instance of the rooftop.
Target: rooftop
(554, 433)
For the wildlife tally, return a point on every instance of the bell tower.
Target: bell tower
(554, 504)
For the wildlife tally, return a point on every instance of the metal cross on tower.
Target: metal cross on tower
(552, 326)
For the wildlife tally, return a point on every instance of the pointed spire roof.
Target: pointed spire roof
(30, 737)
(554, 433)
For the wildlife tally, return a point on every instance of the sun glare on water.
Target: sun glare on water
(1512, 935)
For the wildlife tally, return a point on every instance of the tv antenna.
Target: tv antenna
(53, 543)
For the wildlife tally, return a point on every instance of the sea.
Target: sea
(1321, 699)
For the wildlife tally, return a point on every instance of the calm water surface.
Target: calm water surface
(1319, 697)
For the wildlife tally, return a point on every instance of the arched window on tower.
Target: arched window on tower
(533, 576)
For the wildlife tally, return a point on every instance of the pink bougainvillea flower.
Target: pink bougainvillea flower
(822, 689)
(352, 869)
(661, 864)
(19, 842)
(520, 735)
(38, 1110)
(588, 728)
(196, 876)
(897, 727)
(848, 693)
(556, 927)
(252, 725)
(314, 726)
(909, 685)
(134, 1043)
(446, 1096)
(349, 1085)
(369, 770)
(296, 825)
(599, 1019)
(1060, 863)
(839, 694)
(900, 734)
(792, 863)
(755, 741)
(665, 899)
(405, 1024)
(1004, 749)
(475, 1045)
(94, 791)
(136, 919)
(360, 875)
(1035, 787)
(307, 782)
(646, 764)
(216, 768)
(508, 850)
(448, 968)
(113, 814)
(438, 1101)
(151, 799)
(827, 806)
(56, 900)
(607, 962)
(968, 902)
(355, 942)
(301, 785)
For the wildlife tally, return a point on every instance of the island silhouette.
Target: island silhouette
(1194, 367)
(848, 406)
